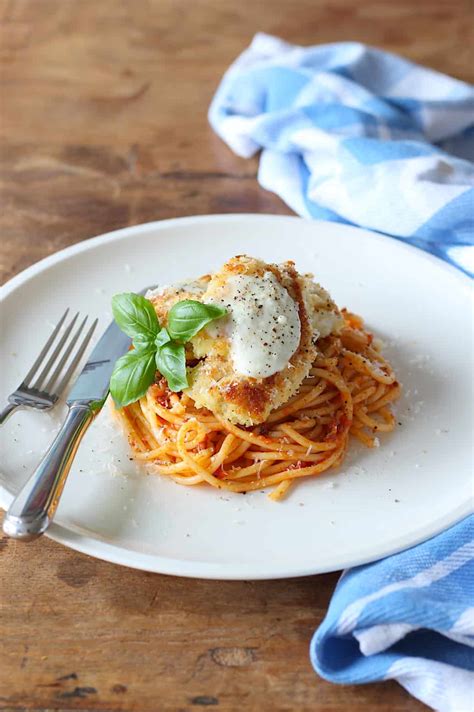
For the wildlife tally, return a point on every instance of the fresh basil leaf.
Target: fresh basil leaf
(132, 375)
(171, 363)
(188, 317)
(142, 342)
(162, 338)
(135, 316)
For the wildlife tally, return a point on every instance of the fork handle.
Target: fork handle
(32, 510)
(7, 411)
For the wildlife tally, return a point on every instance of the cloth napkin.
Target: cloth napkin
(356, 135)
(409, 617)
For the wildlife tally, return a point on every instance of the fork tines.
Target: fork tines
(53, 377)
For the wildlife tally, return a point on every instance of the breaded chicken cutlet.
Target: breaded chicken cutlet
(255, 359)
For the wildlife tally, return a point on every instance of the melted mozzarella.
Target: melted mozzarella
(263, 326)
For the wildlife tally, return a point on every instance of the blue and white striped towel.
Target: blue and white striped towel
(409, 617)
(357, 135)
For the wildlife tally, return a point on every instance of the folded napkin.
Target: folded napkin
(356, 135)
(408, 617)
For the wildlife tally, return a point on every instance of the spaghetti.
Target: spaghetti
(348, 392)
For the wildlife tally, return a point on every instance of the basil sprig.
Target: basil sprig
(155, 348)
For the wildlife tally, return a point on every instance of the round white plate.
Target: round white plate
(380, 501)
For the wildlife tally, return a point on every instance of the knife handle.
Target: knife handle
(33, 509)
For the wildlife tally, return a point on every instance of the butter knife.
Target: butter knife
(33, 509)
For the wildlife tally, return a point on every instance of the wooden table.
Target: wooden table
(103, 124)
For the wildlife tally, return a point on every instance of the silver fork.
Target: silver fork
(48, 376)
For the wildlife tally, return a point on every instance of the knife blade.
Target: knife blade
(92, 384)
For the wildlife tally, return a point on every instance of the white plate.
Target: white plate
(379, 502)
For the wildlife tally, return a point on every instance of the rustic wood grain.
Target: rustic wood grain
(88, 635)
(103, 124)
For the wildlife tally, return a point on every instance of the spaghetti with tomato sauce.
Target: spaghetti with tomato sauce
(347, 392)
